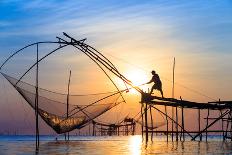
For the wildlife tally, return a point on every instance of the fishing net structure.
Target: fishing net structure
(152, 126)
(66, 112)
(52, 106)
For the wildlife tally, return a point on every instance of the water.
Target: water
(25, 145)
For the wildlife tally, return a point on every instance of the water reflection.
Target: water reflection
(135, 145)
(132, 145)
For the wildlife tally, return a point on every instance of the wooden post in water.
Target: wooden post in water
(101, 131)
(177, 132)
(228, 122)
(222, 125)
(93, 133)
(199, 123)
(230, 125)
(227, 125)
(207, 123)
(166, 121)
(182, 114)
(223, 134)
(173, 95)
(172, 122)
(151, 123)
(173, 69)
(134, 126)
(146, 124)
(89, 130)
(142, 119)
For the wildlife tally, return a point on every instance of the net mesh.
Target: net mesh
(53, 106)
(151, 126)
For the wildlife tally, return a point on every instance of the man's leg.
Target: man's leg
(161, 91)
(152, 88)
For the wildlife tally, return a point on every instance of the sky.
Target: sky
(137, 36)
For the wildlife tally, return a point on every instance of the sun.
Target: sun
(138, 78)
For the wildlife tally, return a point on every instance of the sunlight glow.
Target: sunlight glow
(135, 143)
(137, 78)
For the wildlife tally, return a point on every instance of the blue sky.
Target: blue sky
(135, 35)
(192, 20)
(200, 30)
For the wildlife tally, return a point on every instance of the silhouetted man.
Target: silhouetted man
(157, 83)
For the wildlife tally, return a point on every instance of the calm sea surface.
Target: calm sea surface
(25, 145)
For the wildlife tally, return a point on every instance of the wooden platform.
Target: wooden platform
(172, 102)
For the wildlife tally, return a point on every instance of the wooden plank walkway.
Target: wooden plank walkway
(218, 105)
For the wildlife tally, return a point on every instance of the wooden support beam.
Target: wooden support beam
(173, 95)
(222, 123)
(173, 121)
(225, 113)
(146, 123)
(199, 123)
(94, 132)
(186, 104)
(227, 125)
(194, 132)
(230, 124)
(182, 113)
(177, 132)
(223, 119)
(207, 123)
(142, 119)
(151, 123)
(134, 127)
(166, 121)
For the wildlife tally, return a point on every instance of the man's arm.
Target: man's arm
(149, 81)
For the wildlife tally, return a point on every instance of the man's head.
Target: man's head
(153, 72)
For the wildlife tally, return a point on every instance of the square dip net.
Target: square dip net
(52, 106)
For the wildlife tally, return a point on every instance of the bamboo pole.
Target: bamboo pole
(177, 132)
(142, 119)
(224, 114)
(151, 123)
(227, 125)
(207, 123)
(94, 132)
(173, 121)
(37, 97)
(182, 113)
(173, 88)
(166, 121)
(199, 123)
(230, 125)
(223, 135)
(146, 124)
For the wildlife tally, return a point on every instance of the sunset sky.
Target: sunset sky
(137, 36)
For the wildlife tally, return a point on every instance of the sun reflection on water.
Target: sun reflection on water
(135, 144)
